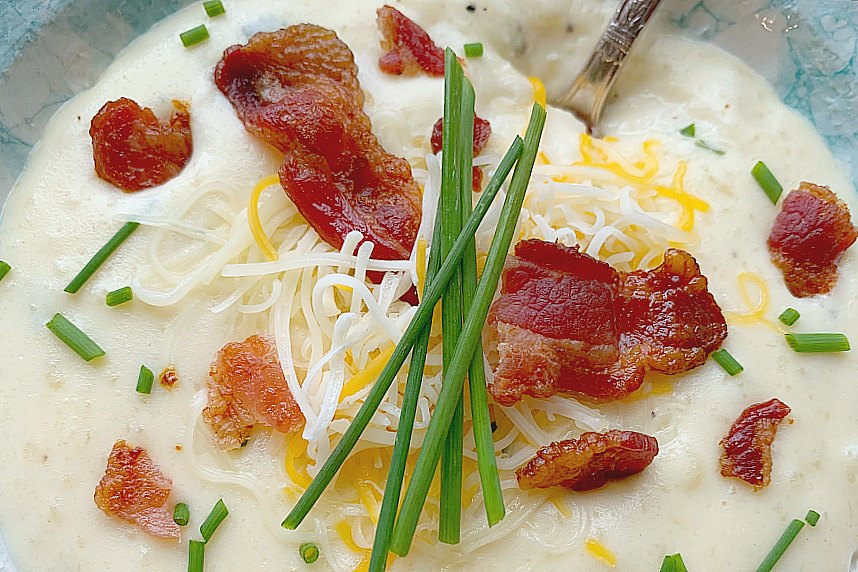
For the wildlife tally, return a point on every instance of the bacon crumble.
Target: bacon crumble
(297, 89)
(747, 453)
(133, 488)
(133, 150)
(568, 323)
(246, 386)
(169, 377)
(409, 49)
(809, 235)
(588, 462)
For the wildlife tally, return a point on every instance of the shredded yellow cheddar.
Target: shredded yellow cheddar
(369, 374)
(600, 552)
(539, 95)
(253, 217)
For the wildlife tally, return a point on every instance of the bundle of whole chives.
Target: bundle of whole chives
(673, 563)
(213, 520)
(74, 338)
(120, 296)
(196, 556)
(4, 269)
(101, 256)
(789, 316)
(181, 514)
(767, 181)
(454, 379)
(818, 343)
(456, 144)
(144, 380)
(421, 318)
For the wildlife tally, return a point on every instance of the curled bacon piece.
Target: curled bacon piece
(246, 386)
(133, 150)
(482, 133)
(133, 488)
(748, 447)
(568, 323)
(588, 462)
(409, 48)
(809, 235)
(298, 90)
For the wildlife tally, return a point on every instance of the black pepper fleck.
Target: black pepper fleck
(471, 8)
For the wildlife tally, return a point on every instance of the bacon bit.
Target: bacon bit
(809, 235)
(748, 447)
(588, 462)
(169, 377)
(246, 386)
(482, 133)
(409, 48)
(568, 323)
(133, 150)
(298, 90)
(133, 488)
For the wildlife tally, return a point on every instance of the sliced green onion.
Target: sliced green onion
(474, 50)
(309, 552)
(120, 296)
(74, 338)
(420, 319)
(727, 361)
(781, 546)
(457, 146)
(789, 316)
(812, 517)
(454, 377)
(213, 8)
(194, 36)
(181, 514)
(673, 563)
(144, 380)
(213, 520)
(704, 145)
(688, 131)
(101, 256)
(767, 182)
(4, 269)
(818, 343)
(196, 556)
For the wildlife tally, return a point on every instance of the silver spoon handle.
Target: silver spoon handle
(587, 95)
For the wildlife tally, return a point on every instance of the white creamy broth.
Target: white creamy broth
(60, 416)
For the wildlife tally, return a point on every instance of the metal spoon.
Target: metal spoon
(587, 95)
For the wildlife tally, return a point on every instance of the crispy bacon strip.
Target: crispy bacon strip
(298, 90)
(133, 488)
(809, 236)
(482, 133)
(409, 48)
(567, 323)
(246, 386)
(588, 462)
(133, 150)
(747, 448)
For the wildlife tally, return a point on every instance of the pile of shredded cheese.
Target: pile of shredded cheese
(335, 329)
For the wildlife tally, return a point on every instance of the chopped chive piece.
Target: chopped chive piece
(673, 563)
(767, 182)
(196, 556)
(818, 343)
(181, 514)
(727, 361)
(119, 296)
(474, 50)
(688, 131)
(812, 517)
(781, 546)
(454, 377)
(144, 380)
(4, 269)
(309, 552)
(789, 316)
(213, 520)
(704, 145)
(431, 295)
(194, 36)
(213, 8)
(74, 338)
(101, 256)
